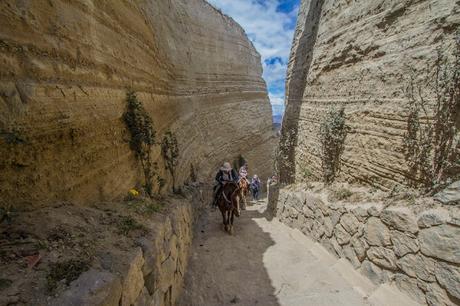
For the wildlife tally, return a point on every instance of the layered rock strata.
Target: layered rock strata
(65, 67)
(358, 55)
(415, 247)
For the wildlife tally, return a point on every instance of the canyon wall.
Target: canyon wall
(65, 67)
(358, 55)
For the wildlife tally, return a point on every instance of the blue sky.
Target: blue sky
(270, 25)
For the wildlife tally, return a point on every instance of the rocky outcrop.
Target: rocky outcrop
(65, 67)
(357, 55)
(415, 247)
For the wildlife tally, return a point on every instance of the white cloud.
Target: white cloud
(276, 99)
(271, 32)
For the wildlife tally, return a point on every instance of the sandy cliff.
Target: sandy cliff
(356, 54)
(64, 69)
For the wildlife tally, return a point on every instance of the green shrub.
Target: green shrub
(170, 153)
(333, 132)
(430, 142)
(140, 126)
(127, 224)
(341, 194)
(68, 270)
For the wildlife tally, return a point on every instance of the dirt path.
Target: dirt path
(267, 263)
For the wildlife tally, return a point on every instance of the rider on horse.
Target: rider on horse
(244, 184)
(244, 173)
(225, 174)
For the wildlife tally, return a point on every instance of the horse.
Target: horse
(229, 205)
(243, 184)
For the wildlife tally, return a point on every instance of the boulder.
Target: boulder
(327, 244)
(133, 280)
(351, 256)
(442, 242)
(298, 200)
(308, 212)
(317, 230)
(337, 248)
(360, 246)
(436, 296)
(400, 218)
(299, 222)
(404, 243)
(341, 235)
(433, 217)
(376, 233)
(144, 299)
(150, 248)
(361, 213)
(416, 265)
(448, 277)
(92, 288)
(374, 273)
(335, 217)
(350, 223)
(382, 257)
(375, 210)
(319, 216)
(450, 195)
(167, 274)
(328, 227)
(409, 285)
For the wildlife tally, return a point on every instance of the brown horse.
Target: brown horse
(243, 184)
(229, 204)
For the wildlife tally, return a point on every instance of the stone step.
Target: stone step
(359, 282)
(390, 295)
(383, 295)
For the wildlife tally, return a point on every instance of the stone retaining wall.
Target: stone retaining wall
(417, 248)
(151, 274)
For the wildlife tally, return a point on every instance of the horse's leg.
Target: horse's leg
(238, 211)
(223, 218)
(243, 200)
(232, 214)
(227, 213)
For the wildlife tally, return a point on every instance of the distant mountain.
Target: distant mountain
(278, 111)
(277, 118)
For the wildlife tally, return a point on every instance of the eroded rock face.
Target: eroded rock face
(64, 70)
(356, 55)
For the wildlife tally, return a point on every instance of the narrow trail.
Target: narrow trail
(267, 263)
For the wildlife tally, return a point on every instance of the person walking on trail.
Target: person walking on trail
(255, 187)
(243, 173)
(225, 174)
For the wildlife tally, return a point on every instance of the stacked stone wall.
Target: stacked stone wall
(152, 273)
(417, 248)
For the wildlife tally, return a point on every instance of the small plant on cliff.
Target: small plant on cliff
(127, 224)
(341, 194)
(431, 141)
(68, 270)
(140, 126)
(241, 161)
(333, 132)
(170, 153)
(6, 212)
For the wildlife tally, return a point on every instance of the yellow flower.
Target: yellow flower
(134, 192)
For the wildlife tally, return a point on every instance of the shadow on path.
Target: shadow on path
(229, 270)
